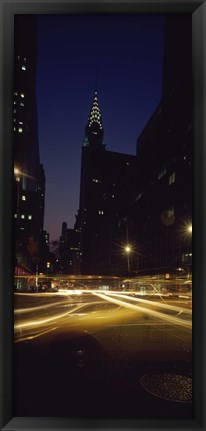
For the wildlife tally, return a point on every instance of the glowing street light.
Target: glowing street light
(189, 228)
(187, 232)
(128, 251)
(16, 171)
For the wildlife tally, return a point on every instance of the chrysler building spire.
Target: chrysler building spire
(94, 129)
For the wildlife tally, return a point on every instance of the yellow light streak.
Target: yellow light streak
(152, 313)
(39, 307)
(31, 337)
(155, 303)
(44, 321)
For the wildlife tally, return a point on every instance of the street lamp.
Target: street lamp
(128, 251)
(187, 232)
(189, 238)
(48, 264)
(189, 228)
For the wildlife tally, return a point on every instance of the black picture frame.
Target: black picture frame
(7, 11)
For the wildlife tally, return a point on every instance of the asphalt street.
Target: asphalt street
(115, 353)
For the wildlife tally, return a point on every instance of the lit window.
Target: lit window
(172, 179)
(23, 67)
(22, 95)
(15, 93)
(101, 212)
(21, 104)
(21, 228)
(22, 216)
(15, 215)
(30, 217)
(138, 197)
(14, 120)
(14, 129)
(14, 102)
(162, 173)
(20, 130)
(14, 111)
(170, 212)
(23, 198)
(20, 122)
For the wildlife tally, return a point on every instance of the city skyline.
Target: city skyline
(129, 83)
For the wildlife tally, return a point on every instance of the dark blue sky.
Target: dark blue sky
(126, 53)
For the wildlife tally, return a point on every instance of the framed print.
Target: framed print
(102, 215)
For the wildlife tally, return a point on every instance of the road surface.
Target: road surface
(116, 353)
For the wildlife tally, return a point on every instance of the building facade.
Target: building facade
(105, 189)
(161, 212)
(29, 178)
(69, 251)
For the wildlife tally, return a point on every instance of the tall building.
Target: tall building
(29, 178)
(105, 188)
(161, 212)
(69, 250)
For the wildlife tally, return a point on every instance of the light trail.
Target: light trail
(45, 321)
(31, 337)
(153, 313)
(146, 301)
(39, 307)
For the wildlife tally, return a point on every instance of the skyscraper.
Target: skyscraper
(29, 178)
(104, 195)
(161, 212)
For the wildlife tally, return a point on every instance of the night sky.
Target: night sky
(125, 53)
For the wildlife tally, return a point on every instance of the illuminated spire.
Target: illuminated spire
(95, 114)
(94, 128)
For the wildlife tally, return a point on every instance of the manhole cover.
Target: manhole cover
(171, 387)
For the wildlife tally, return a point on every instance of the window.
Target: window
(22, 95)
(23, 67)
(138, 197)
(29, 217)
(20, 130)
(101, 212)
(22, 216)
(21, 104)
(15, 215)
(162, 173)
(23, 198)
(172, 179)
(170, 212)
